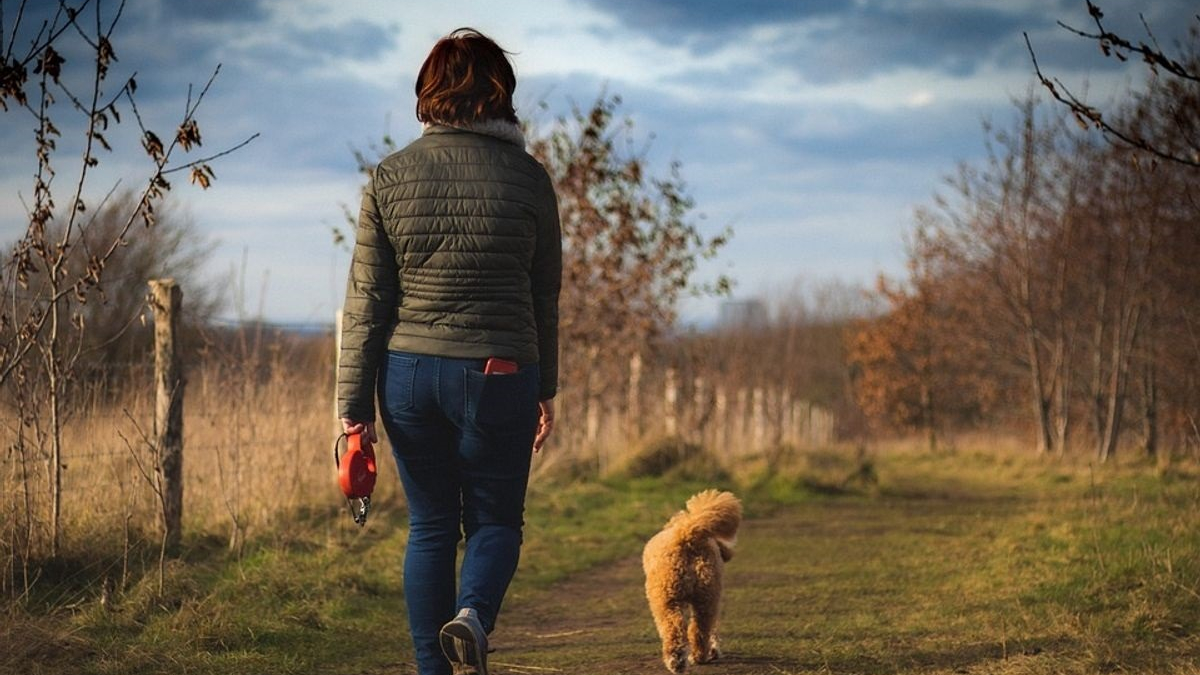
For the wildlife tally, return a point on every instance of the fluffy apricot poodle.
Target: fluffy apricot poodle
(683, 565)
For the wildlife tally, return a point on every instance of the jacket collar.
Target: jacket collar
(496, 128)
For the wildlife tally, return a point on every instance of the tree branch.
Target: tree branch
(1088, 116)
(209, 158)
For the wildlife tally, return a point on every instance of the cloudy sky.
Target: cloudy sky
(811, 128)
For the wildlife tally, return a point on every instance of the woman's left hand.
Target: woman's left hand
(365, 428)
(545, 423)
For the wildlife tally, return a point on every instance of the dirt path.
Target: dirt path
(601, 619)
(849, 585)
(932, 577)
(599, 623)
(601, 614)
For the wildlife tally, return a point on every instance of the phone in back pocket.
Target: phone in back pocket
(495, 366)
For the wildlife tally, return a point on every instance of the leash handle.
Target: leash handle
(356, 476)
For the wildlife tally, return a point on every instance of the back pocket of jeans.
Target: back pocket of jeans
(499, 402)
(398, 381)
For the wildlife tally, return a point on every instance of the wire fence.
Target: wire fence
(257, 441)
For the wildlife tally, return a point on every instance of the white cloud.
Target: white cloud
(920, 99)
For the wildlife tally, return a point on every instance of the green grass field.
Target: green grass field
(906, 563)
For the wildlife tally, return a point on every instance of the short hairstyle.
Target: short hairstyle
(466, 78)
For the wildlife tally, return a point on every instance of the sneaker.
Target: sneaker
(465, 643)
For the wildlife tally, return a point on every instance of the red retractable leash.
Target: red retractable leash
(356, 474)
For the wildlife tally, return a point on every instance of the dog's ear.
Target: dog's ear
(726, 549)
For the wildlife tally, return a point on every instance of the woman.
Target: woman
(456, 271)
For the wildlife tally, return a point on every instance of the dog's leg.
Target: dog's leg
(702, 634)
(670, 622)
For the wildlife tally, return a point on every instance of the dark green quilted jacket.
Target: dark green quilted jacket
(458, 253)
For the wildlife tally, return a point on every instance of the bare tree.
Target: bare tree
(55, 269)
(630, 246)
(174, 248)
(1009, 235)
(1069, 268)
(1070, 255)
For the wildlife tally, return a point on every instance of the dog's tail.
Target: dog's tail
(712, 514)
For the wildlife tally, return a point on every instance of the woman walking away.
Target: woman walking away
(451, 317)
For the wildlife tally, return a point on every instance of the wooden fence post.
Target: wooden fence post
(787, 421)
(337, 362)
(759, 418)
(741, 413)
(670, 398)
(634, 404)
(721, 420)
(809, 429)
(166, 299)
(592, 421)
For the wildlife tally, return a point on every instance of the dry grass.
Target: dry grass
(258, 444)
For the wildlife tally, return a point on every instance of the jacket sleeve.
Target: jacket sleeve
(372, 292)
(546, 281)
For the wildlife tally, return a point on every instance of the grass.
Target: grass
(898, 562)
(305, 603)
(953, 564)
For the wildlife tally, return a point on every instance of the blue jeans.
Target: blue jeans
(462, 442)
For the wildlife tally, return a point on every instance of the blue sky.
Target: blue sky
(812, 129)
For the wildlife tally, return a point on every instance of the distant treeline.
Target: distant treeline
(1056, 286)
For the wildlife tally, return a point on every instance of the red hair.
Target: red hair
(466, 78)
